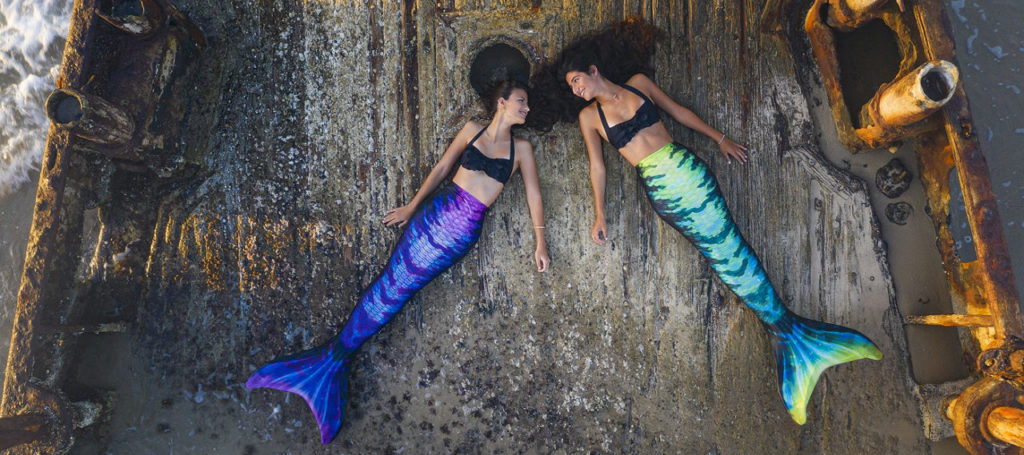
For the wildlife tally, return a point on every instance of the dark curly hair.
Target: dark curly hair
(502, 89)
(619, 51)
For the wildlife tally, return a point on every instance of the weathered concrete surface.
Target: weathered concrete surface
(317, 117)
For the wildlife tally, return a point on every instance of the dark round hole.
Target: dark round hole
(68, 109)
(496, 63)
(127, 8)
(935, 86)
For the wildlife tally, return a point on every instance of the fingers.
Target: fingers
(395, 220)
(735, 152)
(741, 152)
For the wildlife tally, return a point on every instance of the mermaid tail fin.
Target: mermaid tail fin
(319, 375)
(804, 348)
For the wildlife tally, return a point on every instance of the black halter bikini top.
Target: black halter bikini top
(499, 169)
(620, 135)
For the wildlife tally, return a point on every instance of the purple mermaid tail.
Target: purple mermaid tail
(440, 234)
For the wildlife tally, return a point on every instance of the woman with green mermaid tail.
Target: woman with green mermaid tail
(682, 190)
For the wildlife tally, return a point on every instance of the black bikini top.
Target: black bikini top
(620, 135)
(499, 169)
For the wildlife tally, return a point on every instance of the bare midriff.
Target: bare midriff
(646, 142)
(480, 185)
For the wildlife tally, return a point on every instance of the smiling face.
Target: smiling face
(516, 105)
(582, 84)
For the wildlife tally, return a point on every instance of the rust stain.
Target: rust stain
(376, 63)
(411, 69)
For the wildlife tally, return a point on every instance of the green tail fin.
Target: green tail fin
(804, 348)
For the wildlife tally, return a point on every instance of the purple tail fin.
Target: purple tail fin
(319, 375)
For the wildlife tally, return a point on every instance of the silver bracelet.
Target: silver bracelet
(722, 139)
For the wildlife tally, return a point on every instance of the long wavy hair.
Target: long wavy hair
(619, 51)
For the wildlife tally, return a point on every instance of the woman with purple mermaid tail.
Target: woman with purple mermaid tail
(438, 234)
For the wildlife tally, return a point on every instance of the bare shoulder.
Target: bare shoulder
(642, 82)
(467, 131)
(588, 113)
(471, 126)
(523, 146)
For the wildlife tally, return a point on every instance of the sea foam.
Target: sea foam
(32, 34)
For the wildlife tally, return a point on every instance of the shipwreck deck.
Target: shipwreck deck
(306, 121)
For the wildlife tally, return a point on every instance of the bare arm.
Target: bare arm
(592, 139)
(528, 167)
(689, 119)
(401, 215)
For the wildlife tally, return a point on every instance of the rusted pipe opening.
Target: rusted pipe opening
(127, 8)
(496, 63)
(917, 94)
(64, 108)
(89, 116)
(137, 17)
(937, 85)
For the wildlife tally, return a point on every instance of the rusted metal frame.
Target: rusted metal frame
(987, 416)
(133, 129)
(985, 286)
(994, 287)
(849, 14)
(45, 253)
(868, 136)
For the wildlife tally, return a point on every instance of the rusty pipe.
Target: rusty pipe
(89, 117)
(847, 15)
(916, 95)
(135, 17)
(1007, 425)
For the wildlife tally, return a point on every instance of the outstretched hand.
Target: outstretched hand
(733, 151)
(541, 258)
(599, 233)
(399, 216)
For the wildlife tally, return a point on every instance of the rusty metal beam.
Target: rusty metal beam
(990, 275)
(21, 429)
(100, 119)
(951, 320)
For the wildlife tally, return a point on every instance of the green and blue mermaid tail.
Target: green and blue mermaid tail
(440, 234)
(685, 194)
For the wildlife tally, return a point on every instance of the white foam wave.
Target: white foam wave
(32, 34)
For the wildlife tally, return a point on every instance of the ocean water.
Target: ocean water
(32, 34)
(988, 35)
